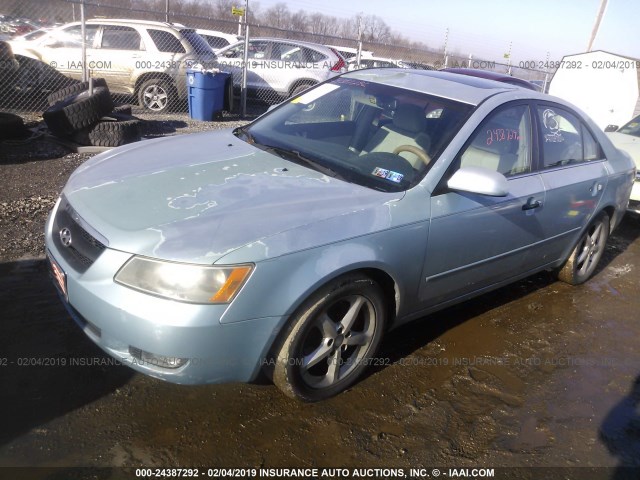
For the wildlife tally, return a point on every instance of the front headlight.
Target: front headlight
(183, 282)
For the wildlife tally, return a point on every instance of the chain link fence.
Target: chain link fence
(144, 56)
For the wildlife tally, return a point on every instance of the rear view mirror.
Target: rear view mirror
(479, 180)
(611, 128)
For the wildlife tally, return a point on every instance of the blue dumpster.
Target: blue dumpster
(205, 93)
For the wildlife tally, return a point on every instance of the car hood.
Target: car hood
(197, 197)
(628, 143)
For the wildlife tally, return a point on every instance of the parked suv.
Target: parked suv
(279, 68)
(143, 58)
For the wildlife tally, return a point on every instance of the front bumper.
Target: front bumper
(125, 323)
(634, 200)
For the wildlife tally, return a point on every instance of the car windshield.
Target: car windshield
(632, 128)
(199, 44)
(375, 135)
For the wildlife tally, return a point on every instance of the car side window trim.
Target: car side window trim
(442, 188)
(536, 105)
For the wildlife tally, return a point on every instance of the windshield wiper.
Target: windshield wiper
(297, 157)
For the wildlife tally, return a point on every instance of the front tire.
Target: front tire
(331, 340)
(587, 253)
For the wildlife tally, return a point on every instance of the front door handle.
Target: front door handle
(531, 204)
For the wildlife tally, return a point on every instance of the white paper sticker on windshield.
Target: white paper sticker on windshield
(316, 93)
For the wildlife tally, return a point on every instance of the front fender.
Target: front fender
(282, 284)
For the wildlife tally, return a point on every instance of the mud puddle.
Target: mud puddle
(538, 373)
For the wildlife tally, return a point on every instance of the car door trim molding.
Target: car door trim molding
(502, 255)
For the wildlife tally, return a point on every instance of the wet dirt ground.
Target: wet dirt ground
(535, 374)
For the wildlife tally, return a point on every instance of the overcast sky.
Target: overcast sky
(485, 28)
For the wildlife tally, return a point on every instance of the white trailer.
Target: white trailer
(603, 84)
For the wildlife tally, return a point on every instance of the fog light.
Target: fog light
(160, 361)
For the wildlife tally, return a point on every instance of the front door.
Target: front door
(476, 241)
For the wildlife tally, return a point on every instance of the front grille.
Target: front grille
(97, 244)
(83, 249)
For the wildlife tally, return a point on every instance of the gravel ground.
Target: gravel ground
(35, 171)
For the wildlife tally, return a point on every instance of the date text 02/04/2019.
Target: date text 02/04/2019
(579, 64)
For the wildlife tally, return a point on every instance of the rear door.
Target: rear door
(574, 174)
(476, 240)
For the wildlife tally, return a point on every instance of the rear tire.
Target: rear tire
(587, 253)
(157, 95)
(228, 94)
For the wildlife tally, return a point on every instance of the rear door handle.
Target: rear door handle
(595, 189)
(531, 204)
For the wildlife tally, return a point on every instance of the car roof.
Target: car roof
(128, 21)
(499, 77)
(317, 46)
(218, 33)
(462, 88)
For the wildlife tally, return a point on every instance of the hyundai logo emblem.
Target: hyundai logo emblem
(65, 237)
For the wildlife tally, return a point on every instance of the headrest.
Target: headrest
(410, 117)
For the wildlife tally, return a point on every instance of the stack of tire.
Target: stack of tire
(90, 118)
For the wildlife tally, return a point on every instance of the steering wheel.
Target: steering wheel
(417, 151)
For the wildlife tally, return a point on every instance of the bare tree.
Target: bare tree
(299, 21)
(375, 30)
(223, 8)
(278, 16)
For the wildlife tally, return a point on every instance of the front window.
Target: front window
(71, 37)
(502, 143)
(374, 135)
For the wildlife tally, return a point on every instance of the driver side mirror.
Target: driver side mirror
(611, 128)
(479, 180)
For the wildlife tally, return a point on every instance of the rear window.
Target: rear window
(314, 56)
(115, 37)
(215, 42)
(199, 44)
(565, 140)
(166, 41)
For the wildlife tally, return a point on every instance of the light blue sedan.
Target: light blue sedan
(289, 246)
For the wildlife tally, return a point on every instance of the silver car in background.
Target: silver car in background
(279, 68)
(291, 245)
(137, 57)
